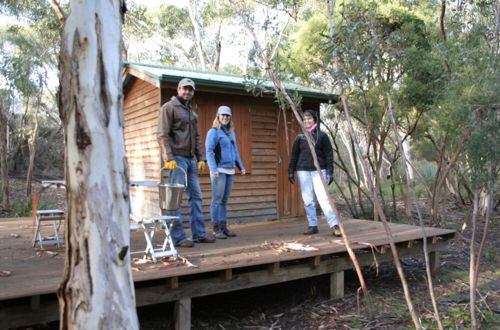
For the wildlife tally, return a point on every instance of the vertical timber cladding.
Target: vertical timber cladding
(254, 195)
(141, 104)
(290, 202)
(263, 194)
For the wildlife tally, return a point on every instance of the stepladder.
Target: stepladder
(151, 226)
(51, 219)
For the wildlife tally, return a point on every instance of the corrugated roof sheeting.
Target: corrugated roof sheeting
(221, 80)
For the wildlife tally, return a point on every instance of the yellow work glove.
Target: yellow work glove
(171, 165)
(201, 166)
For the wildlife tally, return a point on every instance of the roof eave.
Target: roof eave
(165, 78)
(239, 87)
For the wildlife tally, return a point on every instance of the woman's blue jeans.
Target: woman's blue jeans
(196, 221)
(221, 189)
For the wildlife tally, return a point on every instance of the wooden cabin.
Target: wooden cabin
(264, 144)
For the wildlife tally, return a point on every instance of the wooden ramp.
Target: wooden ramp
(264, 253)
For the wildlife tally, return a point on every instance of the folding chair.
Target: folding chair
(150, 226)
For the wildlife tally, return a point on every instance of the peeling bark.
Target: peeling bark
(97, 291)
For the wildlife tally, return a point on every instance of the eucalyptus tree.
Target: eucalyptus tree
(138, 26)
(265, 53)
(97, 290)
(3, 148)
(382, 47)
(29, 48)
(23, 67)
(471, 108)
(187, 34)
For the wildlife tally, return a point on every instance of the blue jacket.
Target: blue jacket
(221, 151)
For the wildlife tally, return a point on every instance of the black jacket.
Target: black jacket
(302, 160)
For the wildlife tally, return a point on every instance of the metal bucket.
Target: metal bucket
(171, 194)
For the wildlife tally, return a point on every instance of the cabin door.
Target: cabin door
(289, 199)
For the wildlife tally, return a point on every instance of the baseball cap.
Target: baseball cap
(186, 82)
(224, 110)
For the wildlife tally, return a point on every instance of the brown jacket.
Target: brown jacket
(178, 131)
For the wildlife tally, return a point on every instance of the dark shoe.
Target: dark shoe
(206, 240)
(336, 231)
(186, 243)
(218, 231)
(311, 230)
(226, 231)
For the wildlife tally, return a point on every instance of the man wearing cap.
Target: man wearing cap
(181, 147)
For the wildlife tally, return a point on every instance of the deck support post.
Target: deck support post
(337, 285)
(183, 314)
(434, 262)
(35, 303)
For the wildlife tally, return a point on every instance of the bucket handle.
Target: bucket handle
(178, 168)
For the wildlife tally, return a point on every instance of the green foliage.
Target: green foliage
(173, 21)
(471, 101)
(23, 208)
(307, 45)
(28, 60)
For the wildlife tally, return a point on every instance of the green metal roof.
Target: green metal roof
(170, 74)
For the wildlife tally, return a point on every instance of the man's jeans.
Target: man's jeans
(311, 189)
(196, 221)
(221, 189)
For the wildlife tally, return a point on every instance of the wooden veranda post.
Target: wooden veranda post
(97, 290)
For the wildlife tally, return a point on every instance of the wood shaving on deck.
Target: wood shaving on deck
(172, 263)
(282, 247)
(5, 273)
(51, 253)
(137, 261)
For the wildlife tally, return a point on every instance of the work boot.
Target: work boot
(218, 233)
(206, 240)
(311, 230)
(226, 231)
(186, 243)
(336, 231)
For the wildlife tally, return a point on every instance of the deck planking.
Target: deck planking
(37, 272)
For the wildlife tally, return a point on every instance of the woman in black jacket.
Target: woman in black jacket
(310, 182)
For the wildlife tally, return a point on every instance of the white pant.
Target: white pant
(312, 189)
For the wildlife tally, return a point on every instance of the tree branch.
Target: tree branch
(59, 13)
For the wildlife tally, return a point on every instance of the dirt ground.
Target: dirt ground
(304, 304)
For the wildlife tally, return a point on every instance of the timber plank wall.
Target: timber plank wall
(254, 196)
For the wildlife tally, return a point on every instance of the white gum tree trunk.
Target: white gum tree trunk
(97, 291)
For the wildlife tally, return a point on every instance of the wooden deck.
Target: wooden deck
(258, 256)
